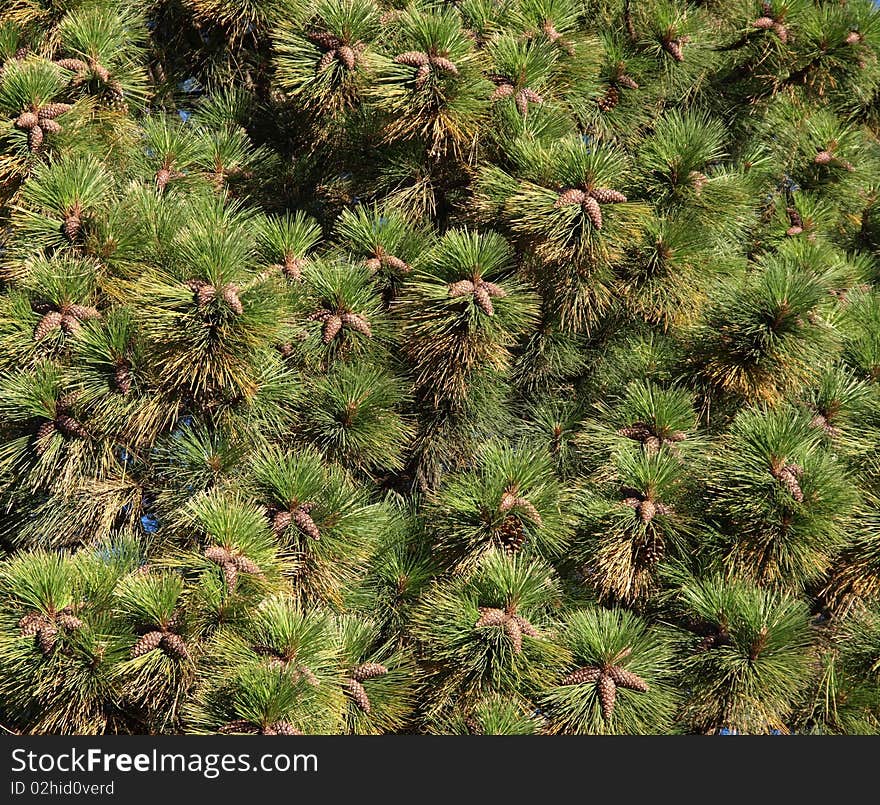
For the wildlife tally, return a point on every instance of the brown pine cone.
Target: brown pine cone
(326, 60)
(461, 288)
(764, 23)
(853, 38)
(331, 328)
(163, 176)
(240, 727)
(593, 211)
(368, 670)
(609, 100)
(26, 121)
(147, 643)
(35, 138)
(358, 323)
(230, 575)
(303, 521)
(442, 63)
(282, 728)
(280, 521)
(74, 65)
(218, 555)
(50, 126)
(607, 691)
(100, 71)
(508, 500)
(83, 312)
(514, 631)
(823, 157)
(31, 623)
(122, 377)
(357, 692)
(47, 637)
(325, 41)
(495, 291)
(422, 74)
(490, 616)
(52, 110)
(569, 197)
(626, 81)
(396, 263)
(69, 622)
(525, 627)
(51, 321)
(647, 509)
(292, 267)
(781, 31)
(413, 58)
(626, 679)
(502, 91)
(673, 48)
(583, 676)
(230, 296)
(70, 427)
(529, 510)
(605, 195)
(347, 56)
(174, 644)
(246, 565)
(483, 300)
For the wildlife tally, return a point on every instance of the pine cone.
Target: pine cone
(357, 323)
(764, 23)
(605, 195)
(304, 522)
(461, 288)
(50, 126)
(52, 110)
(503, 91)
(357, 692)
(173, 644)
(327, 59)
(413, 58)
(69, 621)
(422, 74)
(74, 65)
(513, 630)
(70, 427)
(610, 99)
(368, 670)
(607, 691)
(246, 565)
(792, 231)
(218, 555)
(789, 475)
(442, 63)
(483, 300)
(83, 312)
(647, 509)
(100, 71)
(47, 637)
(325, 41)
(309, 676)
(31, 624)
(163, 176)
(781, 31)
(373, 264)
(230, 296)
(230, 575)
(331, 328)
(593, 211)
(823, 157)
(51, 321)
(525, 627)
(26, 121)
(71, 226)
(147, 643)
(347, 56)
(674, 48)
(282, 728)
(35, 138)
(511, 534)
(571, 196)
(240, 727)
(122, 377)
(292, 267)
(583, 676)
(508, 500)
(626, 81)
(396, 263)
(490, 616)
(627, 679)
(44, 433)
(280, 521)
(530, 511)
(495, 291)
(853, 38)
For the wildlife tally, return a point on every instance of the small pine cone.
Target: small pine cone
(525, 627)
(522, 103)
(230, 296)
(69, 622)
(309, 676)
(205, 293)
(74, 65)
(70, 427)
(627, 679)
(71, 227)
(422, 74)
(325, 41)
(44, 433)
(495, 291)
(292, 267)
(605, 195)
(508, 500)
(823, 157)
(217, 555)
(100, 71)
(358, 323)
(22, 53)
(373, 264)
(647, 509)
(781, 31)
(230, 575)
(794, 216)
(122, 377)
(673, 48)
(789, 475)
(483, 300)
(51, 321)
(280, 521)
(652, 445)
(514, 631)
(503, 91)
(461, 288)
(163, 176)
(35, 138)
(331, 328)
(52, 110)
(792, 231)
(50, 126)
(847, 166)
(26, 121)
(147, 643)
(413, 58)
(305, 523)
(442, 63)
(764, 23)
(368, 670)
(638, 432)
(530, 511)
(610, 99)
(327, 59)
(240, 727)
(283, 728)
(320, 315)
(531, 96)
(626, 81)
(31, 623)
(357, 692)
(593, 211)
(607, 695)
(347, 56)
(396, 263)
(83, 312)
(853, 38)
(675, 436)
(569, 197)
(246, 565)
(490, 616)
(583, 676)
(173, 644)
(47, 637)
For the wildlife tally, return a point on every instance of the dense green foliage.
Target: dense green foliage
(478, 367)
